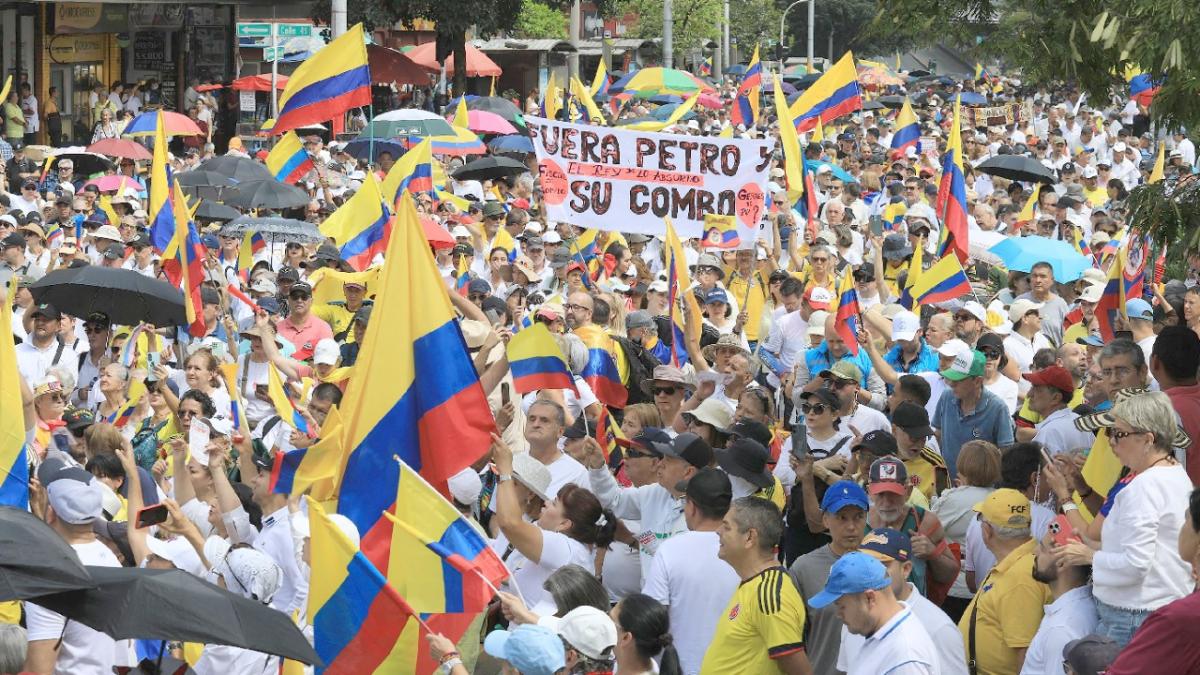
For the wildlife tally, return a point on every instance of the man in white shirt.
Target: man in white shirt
(1026, 337)
(1186, 148)
(1072, 612)
(1141, 324)
(42, 351)
(1051, 393)
(894, 549)
(544, 426)
(896, 642)
(788, 337)
(687, 576)
(57, 645)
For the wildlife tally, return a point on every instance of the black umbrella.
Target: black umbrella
(204, 178)
(872, 105)
(210, 209)
(265, 194)
(489, 167)
(86, 163)
(275, 229)
(918, 73)
(126, 296)
(1018, 167)
(890, 101)
(149, 604)
(34, 559)
(241, 169)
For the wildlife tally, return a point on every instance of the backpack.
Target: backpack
(641, 368)
(145, 444)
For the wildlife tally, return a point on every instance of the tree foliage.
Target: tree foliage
(850, 21)
(1089, 42)
(538, 20)
(696, 22)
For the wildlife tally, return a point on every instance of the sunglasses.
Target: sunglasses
(1118, 435)
(631, 453)
(57, 398)
(476, 297)
(835, 383)
(668, 391)
(965, 317)
(813, 408)
(991, 352)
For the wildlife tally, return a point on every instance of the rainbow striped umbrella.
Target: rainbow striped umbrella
(177, 125)
(649, 82)
(461, 142)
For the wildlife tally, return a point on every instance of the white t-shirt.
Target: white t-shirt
(255, 374)
(818, 449)
(566, 469)
(1006, 389)
(225, 660)
(84, 651)
(557, 550)
(866, 419)
(688, 577)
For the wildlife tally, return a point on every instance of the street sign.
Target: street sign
(290, 30)
(272, 53)
(254, 30)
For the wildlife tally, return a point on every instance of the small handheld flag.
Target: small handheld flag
(720, 231)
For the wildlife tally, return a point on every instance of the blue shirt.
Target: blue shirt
(990, 421)
(926, 361)
(818, 359)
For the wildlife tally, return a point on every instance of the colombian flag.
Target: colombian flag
(537, 362)
(846, 311)
(162, 218)
(745, 104)
(423, 403)
(448, 566)
(915, 269)
(185, 270)
(706, 67)
(893, 214)
(284, 407)
(411, 173)
(356, 615)
(952, 194)
(288, 161)
(600, 82)
(328, 84)
(1112, 301)
(359, 226)
(504, 241)
(14, 462)
(836, 93)
(908, 132)
(601, 372)
(945, 280)
(678, 283)
(720, 231)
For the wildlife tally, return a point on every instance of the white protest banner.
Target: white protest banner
(618, 179)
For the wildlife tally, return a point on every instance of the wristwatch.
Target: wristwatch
(505, 476)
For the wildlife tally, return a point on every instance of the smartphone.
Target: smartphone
(493, 317)
(504, 393)
(62, 443)
(152, 515)
(876, 225)
(1046, 457)
(152, 360)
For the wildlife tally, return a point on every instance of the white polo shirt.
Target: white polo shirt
(1070, 617)
(1058, 433)
(901, 646)
(947, 639)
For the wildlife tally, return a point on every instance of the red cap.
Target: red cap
(1053, 376)
(577, 266)
(521, 203)
(261, 154)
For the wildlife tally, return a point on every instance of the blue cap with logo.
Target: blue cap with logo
(842, 494)
(854, 572)
(887, 545)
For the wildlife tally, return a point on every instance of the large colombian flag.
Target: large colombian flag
(288, 161)
(412, 173)
(162, 218)
(745, 104)
(360, 225)
(836, 93)
(185, 269)
(943, 281)
(356, 616)
(14, 462)
(325, 86)
(846, 311)
(908, 132)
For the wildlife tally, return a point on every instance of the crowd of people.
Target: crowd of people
(987, 485)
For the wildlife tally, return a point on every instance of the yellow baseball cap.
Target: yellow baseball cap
(1006, 507)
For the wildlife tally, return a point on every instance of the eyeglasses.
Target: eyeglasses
(299, 296)
(835, 383)
(813, 408)
(572, 307)
(1119, 371)
(965, 317)
(665, 391)
(1116, 435)
(57, 398)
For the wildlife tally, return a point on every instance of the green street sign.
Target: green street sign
(272, 53)
(254, 30)
(290, 30)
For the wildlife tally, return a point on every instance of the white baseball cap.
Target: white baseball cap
(953, 347)
(1092, 292)
(1020, 308)
(551, 237)
(975, 309)
(459, 232)
(465, 486)
(905, 325)
(327, 352)
(816, 323)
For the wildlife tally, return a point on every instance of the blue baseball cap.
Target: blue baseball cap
(886, 545)
(1138, 308)
(530, 648)
(842, 494)
(1092, 340)
(716, 295)
(854, 572)
(210, 241)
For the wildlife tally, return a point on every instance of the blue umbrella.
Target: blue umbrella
(663, 112)
(838, 172)
(1022, 253)
(973, 98)
(511, 143)
(361, 148)
(665, 99)
(737, 69)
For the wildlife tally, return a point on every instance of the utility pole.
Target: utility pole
(668, 44)
(812, 17)
(337, 21)
(573, 57)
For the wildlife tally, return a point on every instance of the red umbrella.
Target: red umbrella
(259, 83)
(389, 65)
(436, 235)
(120, 147)
(710, 101)
(210, 87)
(478, 63)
